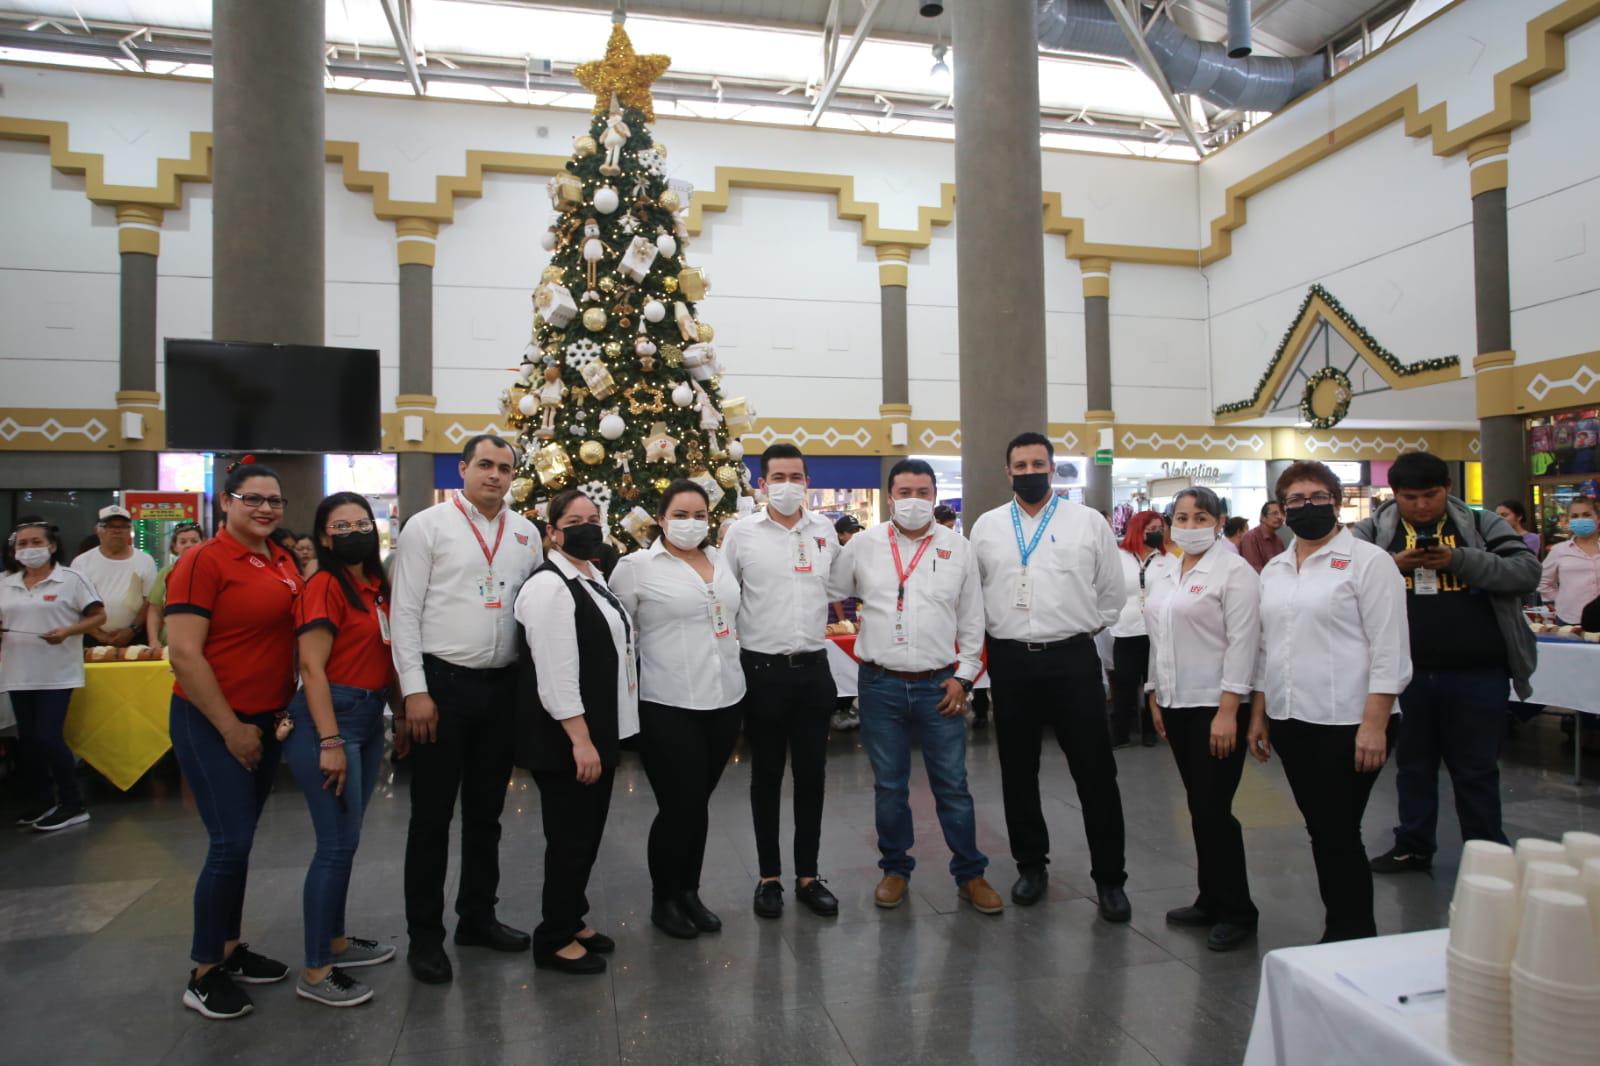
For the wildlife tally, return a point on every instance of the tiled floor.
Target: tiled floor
(94, 926)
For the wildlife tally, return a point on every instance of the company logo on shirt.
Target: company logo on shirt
(257, 563)
(943, 553)
(1339, 564)
(822, 543)
(51, 598)
(522, 539)
(1195, 590)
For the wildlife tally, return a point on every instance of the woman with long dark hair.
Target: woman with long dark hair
(335, 745)
(45, 609)
(230, 617)
(684, 599)
(577, 699)
(1144, 558)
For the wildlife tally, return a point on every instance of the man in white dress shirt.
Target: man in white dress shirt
(781, 557)
(1051, 581)
(920, 646)
(122, 575)
(457, 573)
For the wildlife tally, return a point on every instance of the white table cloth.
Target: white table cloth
(1566, 675)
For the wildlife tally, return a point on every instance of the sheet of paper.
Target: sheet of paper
(1418, 979)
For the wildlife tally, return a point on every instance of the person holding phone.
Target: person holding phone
(335, 749)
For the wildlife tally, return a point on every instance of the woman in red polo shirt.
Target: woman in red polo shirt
(336, 747)
(230, 624)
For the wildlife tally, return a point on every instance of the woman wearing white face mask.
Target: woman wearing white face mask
(684, 600)
(1203, 617)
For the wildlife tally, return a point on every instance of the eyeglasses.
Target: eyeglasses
(363, 526)
(253, 500)
(186, 527)
(1321, 499)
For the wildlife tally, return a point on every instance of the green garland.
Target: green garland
(1389, 358)
(1309, 415)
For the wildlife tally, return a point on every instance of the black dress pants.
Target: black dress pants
(1062, 687)
(1130, 668)
(786, 709)
(471, 758)
(1210, 783)
(574, 817)
(1320, 763)
(684, 753)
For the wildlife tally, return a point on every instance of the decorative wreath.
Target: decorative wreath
(1326, 399)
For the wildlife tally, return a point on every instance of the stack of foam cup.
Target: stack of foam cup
(1483, 939)
(1490, 859)
(1557, 875)
(1590, 880)
(1580, 847)
(1532, 849)
(1555, 981)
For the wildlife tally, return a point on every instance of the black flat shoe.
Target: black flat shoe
(429, 964)
(1030, 887)
(493, 935)
(1190, 915)
(583, 964)
(1225, 936)
(817, 898)
(668, 916)
(598, 944)
(698, 913)
(1149, 740)
(1114, 905)
(769, 900)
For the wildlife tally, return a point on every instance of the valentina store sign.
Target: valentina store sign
(1193, 471)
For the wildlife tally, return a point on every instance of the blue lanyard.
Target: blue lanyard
(1044, 522)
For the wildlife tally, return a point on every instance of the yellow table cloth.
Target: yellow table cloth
(118, 721)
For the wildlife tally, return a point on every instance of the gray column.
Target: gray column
(1505, 471)
(139, 240)
(416, 377)
(895, 410)
(1097, 368)
(999, 240)
(267, 184)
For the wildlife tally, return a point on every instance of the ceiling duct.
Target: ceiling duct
(1254, 83)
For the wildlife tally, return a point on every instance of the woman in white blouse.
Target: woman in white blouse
(1144, 556)
(1335, 654)
(1204, 619)
(684, 599)
(577, 697)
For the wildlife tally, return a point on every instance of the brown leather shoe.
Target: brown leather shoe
(984, 899)
(891, 891)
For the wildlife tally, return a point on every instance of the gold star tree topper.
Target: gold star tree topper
(624, 74)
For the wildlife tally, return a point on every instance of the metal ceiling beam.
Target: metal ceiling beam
(1130, 30)
(830, 40)
(400, 28)
(857, 39)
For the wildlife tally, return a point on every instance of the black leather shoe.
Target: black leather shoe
(769, 899)
(1225, 936)
(1114, 905)
(1190, 915)
(669, 916)
(429, 964)
(493, 935)
(817, 898)
(1030, 887)
(583, 964)
(598, 944)
(699, 913)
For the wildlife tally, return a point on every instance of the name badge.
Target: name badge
(491, 592)
(802, 555)
(1425, 582)
(633, 669)
(1022, 592)
(719, 618)
(902, 635)
(383, 627)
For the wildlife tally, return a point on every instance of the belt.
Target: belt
(445, 666)
(793, 661)
(1049, 645)
(904, 675)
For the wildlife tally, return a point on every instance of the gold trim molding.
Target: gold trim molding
(139, 228)
(1530, 388)
(1486, 177)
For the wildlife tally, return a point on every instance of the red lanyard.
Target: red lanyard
(904, 572)
(498, 537)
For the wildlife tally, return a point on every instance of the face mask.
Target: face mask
(354, 547)
(1195, 541)
(582, 541)
(912, 513)
(1154, 538)
(1581, 527)
(1030, 488)
(34, 558)
(1312, 521)
(786, 497)
(687, 533)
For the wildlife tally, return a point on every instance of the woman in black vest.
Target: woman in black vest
(577, 697)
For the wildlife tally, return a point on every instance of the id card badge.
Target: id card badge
(719, 618)
(1425, 582)
(901, 634)
(383, 626)
(633, 670)
(802, 555)
(489, 593)
(1022, 597)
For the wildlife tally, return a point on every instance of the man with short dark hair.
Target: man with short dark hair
(1466, 573)
(920, 643)
(1262, 543)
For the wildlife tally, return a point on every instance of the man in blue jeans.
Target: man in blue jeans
(1466, 575)
(921, 635)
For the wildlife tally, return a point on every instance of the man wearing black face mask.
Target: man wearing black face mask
(1051, 581)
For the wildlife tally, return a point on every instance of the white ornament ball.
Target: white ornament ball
(606, 199)
(528, 404)
(667, 245)
(654, 310)
(612, 426)
(735, 450)
(547, 240)
(683, 395)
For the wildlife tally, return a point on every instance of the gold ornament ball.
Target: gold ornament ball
(707, 334)
(552, 273)
(662, 484)
(613, 349)
(594, 319)
(669, 283)
(584, 147)
(520, 488)
(592, 452)
(669, 200)
(608, 284)
(727, 477)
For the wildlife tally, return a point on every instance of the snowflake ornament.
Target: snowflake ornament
(653, 162)
(580, 353)
(599, 493)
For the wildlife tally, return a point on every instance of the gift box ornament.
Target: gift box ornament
(554, 304)
(639, 257)
(693, 283)
(598, 378)
(738, 413)
(553, 465)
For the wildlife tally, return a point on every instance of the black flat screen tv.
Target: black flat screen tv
(231, 396)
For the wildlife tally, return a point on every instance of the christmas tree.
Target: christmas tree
(619, 391)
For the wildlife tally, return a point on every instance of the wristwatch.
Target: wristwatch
(966, 686)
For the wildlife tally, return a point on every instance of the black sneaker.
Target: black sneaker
(31, 815)
(61, 818)
(769, 899)
(245, 965)
(215, 996)
(1399, 861)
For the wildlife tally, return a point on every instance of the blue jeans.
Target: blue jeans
(893, 713)
(1456, 717)
(335, 818)
(229, 799)
(44, 755)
